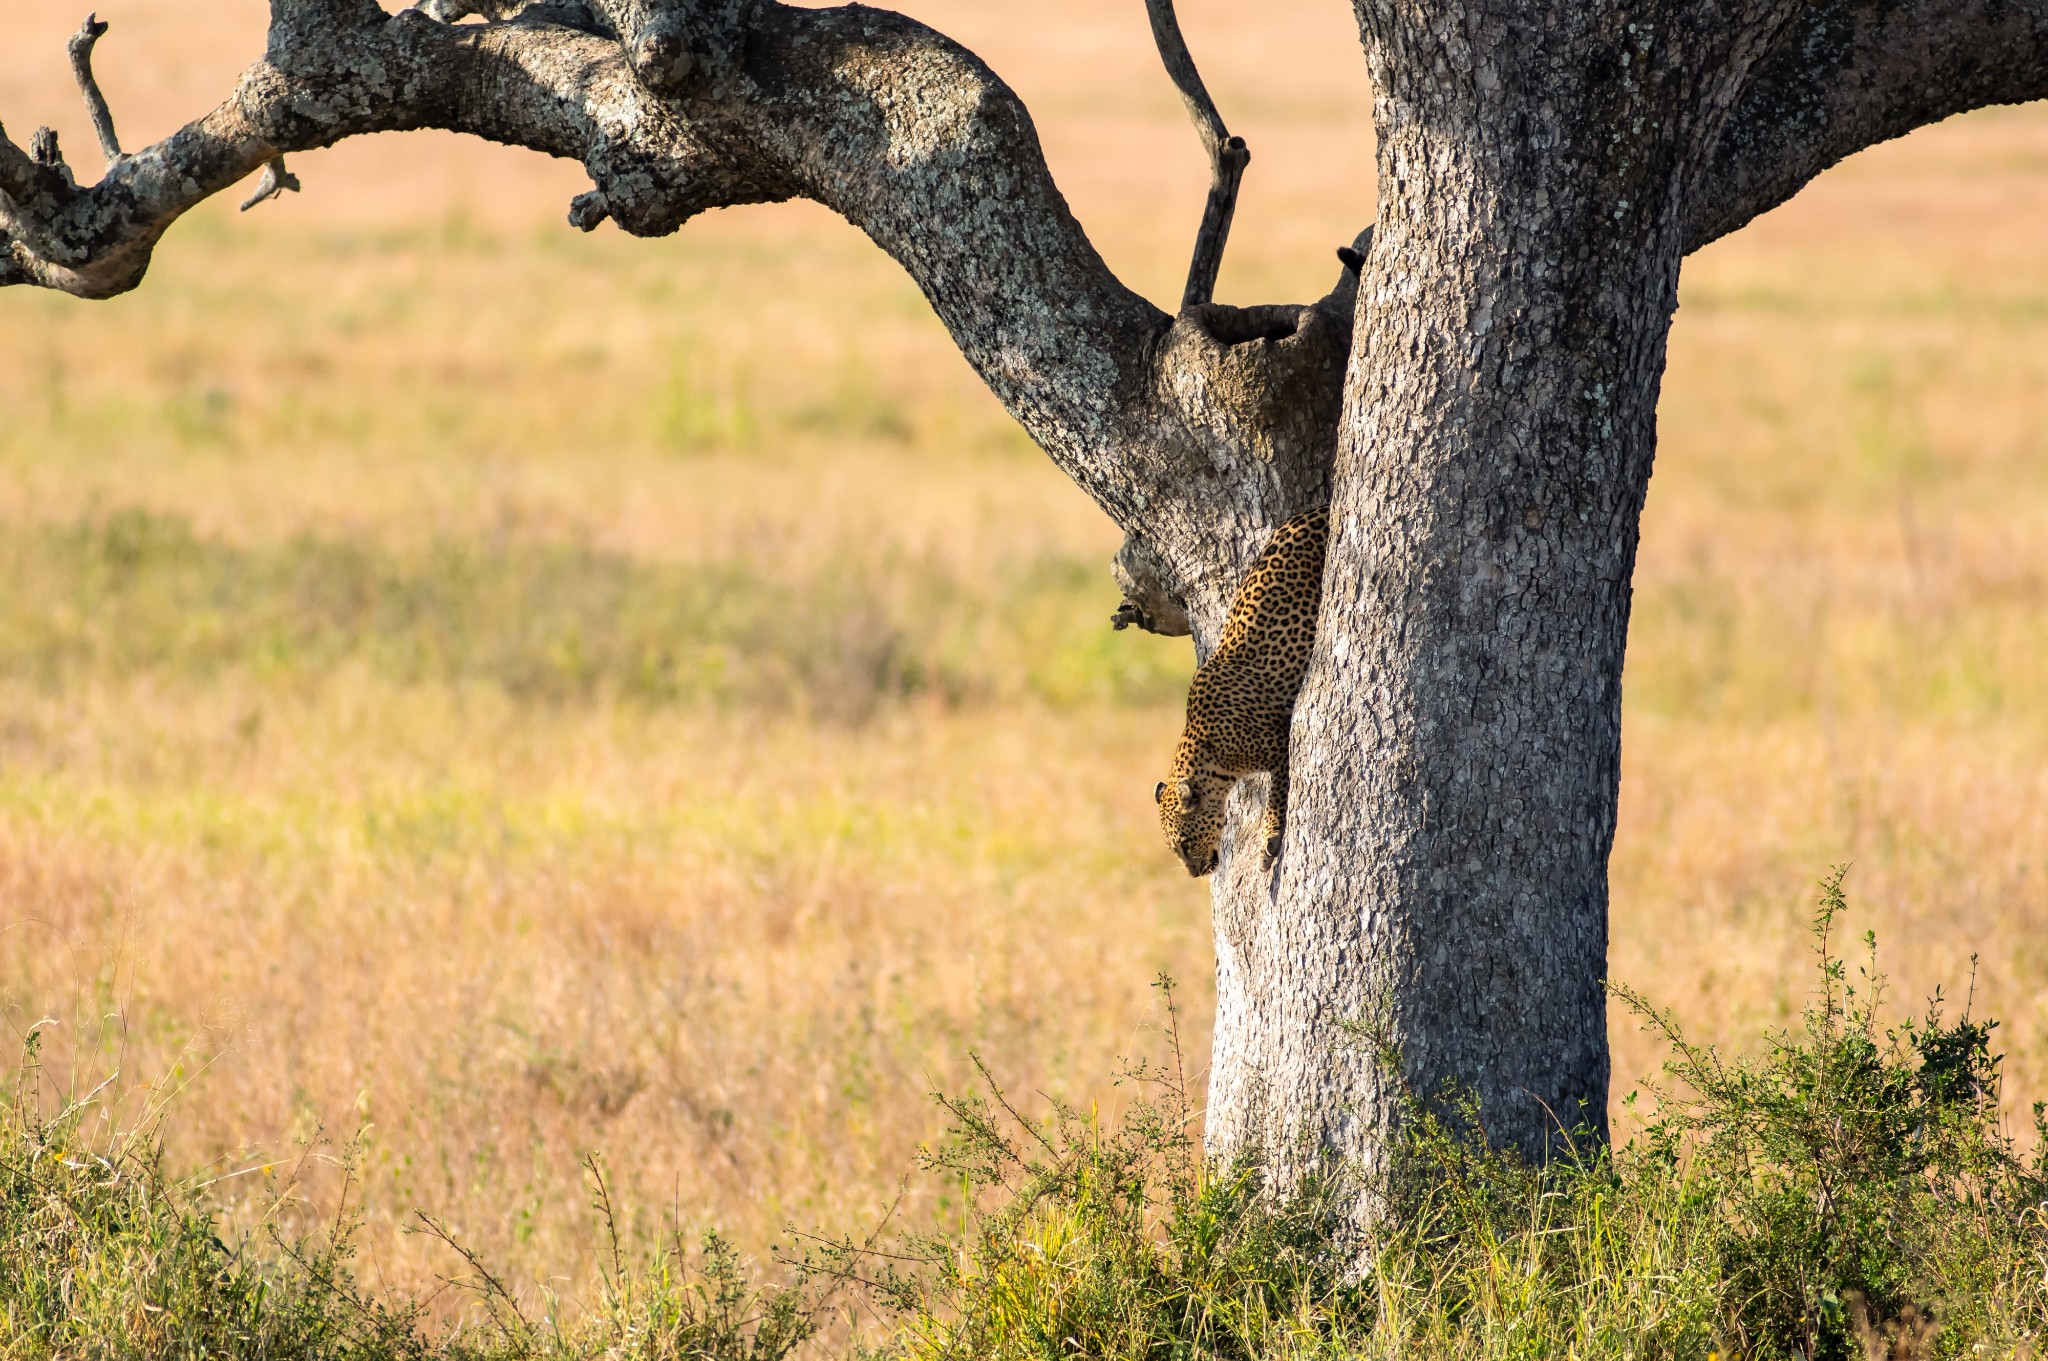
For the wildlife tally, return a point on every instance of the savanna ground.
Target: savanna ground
(509, 694)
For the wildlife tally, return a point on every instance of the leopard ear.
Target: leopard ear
(1159, 792)
(1186, 790)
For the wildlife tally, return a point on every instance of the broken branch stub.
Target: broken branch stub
(1149, 601)
(81, 46)
(276, 180)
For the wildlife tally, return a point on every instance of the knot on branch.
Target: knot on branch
(680, 47)
(654, 195)
(1149, 601)
(631, 191)
(588, 212)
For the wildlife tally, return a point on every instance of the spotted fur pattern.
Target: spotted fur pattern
(1241, 702)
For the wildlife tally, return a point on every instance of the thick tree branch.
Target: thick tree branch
(904, 133)
(1228, 155)
(1198, 434)
(1847, 74)
(95, 242)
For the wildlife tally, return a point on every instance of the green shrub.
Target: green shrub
(1078, 1238)
(1848, 1192)
(103, 1255)
(1861, 1173)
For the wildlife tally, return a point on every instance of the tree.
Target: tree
(1476, 401)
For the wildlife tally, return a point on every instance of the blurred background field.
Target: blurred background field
(513, 693)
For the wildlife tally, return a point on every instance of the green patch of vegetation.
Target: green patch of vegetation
(136, 592)
(1072, 1237)
(1848, 1192)
(105, 1255)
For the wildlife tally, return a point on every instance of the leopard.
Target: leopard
(1241, 701)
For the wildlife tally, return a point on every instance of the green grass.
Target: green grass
(104, 1255)
(1849, 1192)
(135, 593)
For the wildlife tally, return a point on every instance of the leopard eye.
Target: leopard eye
(1159, 792)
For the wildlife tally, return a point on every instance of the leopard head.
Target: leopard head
(1191, 815)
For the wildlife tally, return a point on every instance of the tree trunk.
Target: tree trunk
(1443, 888)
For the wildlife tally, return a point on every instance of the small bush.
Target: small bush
(103, 1255)
(1861, 1173)
(1077, 1238)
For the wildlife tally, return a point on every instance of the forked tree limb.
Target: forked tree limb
(899, 130)
(896, 128)
(1228, 155)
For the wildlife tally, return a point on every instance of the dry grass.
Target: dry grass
(439, 864)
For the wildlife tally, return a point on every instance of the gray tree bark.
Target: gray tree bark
(1478, 406)
(1461, 726)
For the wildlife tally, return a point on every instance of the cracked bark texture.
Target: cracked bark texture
(1476, 398)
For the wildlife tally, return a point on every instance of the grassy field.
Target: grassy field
(511, 694)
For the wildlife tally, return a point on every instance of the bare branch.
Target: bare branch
(94, 243)
(334, 69)
(81, 45)
(1228, 155)
(1847, 74)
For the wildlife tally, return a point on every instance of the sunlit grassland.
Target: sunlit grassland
(517, 694)
(1840, 642)
(696, 750)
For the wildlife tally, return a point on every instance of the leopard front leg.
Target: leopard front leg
(1276, 809)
